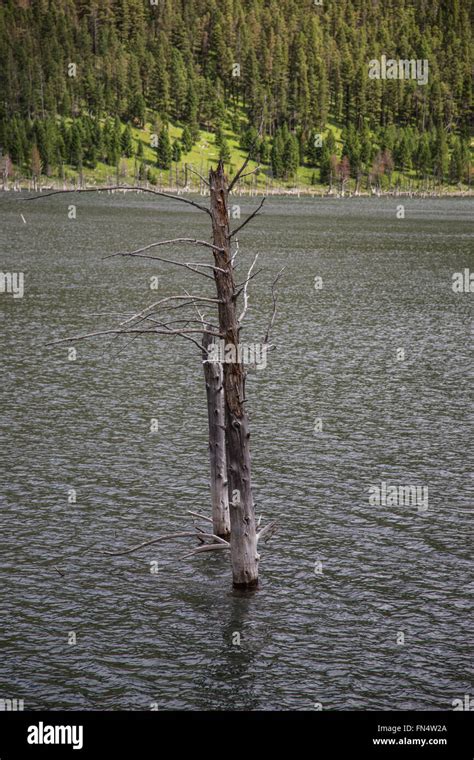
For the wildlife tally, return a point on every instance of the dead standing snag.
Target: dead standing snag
(243, 544)
(213, 376)
(226, 391)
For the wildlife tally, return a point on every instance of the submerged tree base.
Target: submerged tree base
(252, 585)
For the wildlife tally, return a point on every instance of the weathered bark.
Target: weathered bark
(217, 449)
(244, 557)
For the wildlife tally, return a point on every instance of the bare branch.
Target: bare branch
(234, 255)
(218, 539)
(202, 517)
(254, 171)
(180, 305)
(192, 241)
(120, 187)
(200, 315)
(246, 300)
(107, 313)
(179, 321)
(183, 534)
(268, 530)
(137, 255)
(166, 325)
(249, 218)
(206, 548)
(172, 261)
(188, 337)
(149, 309)
(275, 297)
(131, 331)
(197, 174)
(241, 285)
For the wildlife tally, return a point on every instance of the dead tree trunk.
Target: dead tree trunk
(213, 376)
(244, 557)
(244, 536)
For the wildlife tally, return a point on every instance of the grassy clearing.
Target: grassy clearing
(205, 153)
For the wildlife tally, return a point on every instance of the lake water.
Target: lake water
(360, 606)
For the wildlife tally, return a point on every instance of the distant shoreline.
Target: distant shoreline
(51, 187)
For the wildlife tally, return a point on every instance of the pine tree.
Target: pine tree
(224, 151)
(189, 115)
(176, 151)
(465, 158)
(219, 136)
(403, 152)
(456, 162)
(127, 142)
(330, 142)
(290, 157)
(13, 143)
(366, 149)
(35, 162)
(43, 143)
(325, 165)
(112, 142)
(277, 155)
(60, 152)
(161, 89)
(163, 151)
(195, 132)
(329, 160)
(178, 85)
(314, 147)
(441, 155)
(186, 139)
(263, 151)
(423, 156)
(75, 147)
(137, 109)
(249, 139)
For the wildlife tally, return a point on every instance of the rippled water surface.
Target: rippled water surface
(307, 637)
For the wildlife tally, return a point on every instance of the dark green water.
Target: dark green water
(306, 637)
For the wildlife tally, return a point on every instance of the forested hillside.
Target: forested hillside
(142, 86)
